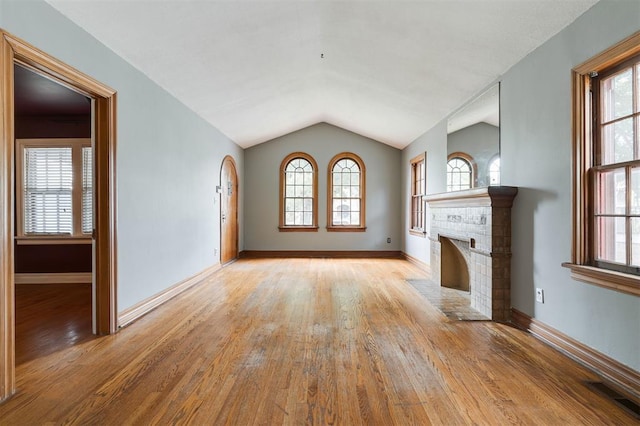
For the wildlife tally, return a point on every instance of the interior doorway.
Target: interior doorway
(228, 211)
(15, 51)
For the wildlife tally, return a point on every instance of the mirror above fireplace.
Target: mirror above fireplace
(473, 143)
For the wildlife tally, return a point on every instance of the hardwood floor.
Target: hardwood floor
(315, 341)
(51, 318)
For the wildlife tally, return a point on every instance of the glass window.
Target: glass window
(459, 174)
(55, 194)
(606, 169)
(418, 181)
(346, 193)
(298, 198)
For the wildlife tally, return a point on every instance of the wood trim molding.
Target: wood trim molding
(612, 371)
(131, 314)
(583, 159)
(314, 226)
(54, 278)
(7, 291)
(332, 254)
(15, 51)
(619, 281)
(419, 263)
(363, 194)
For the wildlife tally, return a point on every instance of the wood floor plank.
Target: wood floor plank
(291, 341)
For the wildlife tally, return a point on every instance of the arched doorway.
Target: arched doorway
(228, 211)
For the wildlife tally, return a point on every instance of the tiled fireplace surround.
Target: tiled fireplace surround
(479, 219)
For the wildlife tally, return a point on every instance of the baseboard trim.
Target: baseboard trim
(349, 254)
(419, 263)
(131, 314)
(610, 370)
(53, 278)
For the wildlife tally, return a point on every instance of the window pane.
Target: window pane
(355, 219)
(308, 219)
(289, 218)
(611, 190)
(617, 142)
(48, 180)
(635, 241)
(635, 190)
(617, 95)
(611, 243)
(289, 204)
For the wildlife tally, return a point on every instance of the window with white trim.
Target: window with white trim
(54, 187)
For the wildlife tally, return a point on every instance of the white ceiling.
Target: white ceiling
(391, 69)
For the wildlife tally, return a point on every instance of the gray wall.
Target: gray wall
(536, 156)
(168, 160)
(322, 142)
(434, 143)
(482, 142)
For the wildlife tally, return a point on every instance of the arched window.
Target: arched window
(298, 193)
(460, 172)
(346, 193)
(494, 171)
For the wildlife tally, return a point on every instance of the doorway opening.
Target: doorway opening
(53, 256)
(103, 99)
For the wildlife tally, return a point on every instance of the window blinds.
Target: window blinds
(87, 190)
(48, 187)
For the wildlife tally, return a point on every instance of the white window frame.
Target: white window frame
(77, 236)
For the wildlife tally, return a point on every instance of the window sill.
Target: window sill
(346, 229)
(298, 228)
(618, 281)
(51, 240)
(418, 233)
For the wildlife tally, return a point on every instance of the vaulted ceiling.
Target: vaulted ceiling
(388, 70)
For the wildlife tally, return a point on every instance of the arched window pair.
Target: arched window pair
(299, 193)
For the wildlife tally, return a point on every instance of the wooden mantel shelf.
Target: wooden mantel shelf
(494, 196)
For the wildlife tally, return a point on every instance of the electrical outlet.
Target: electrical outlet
(388, 240)
(539, 295)
(215, 251)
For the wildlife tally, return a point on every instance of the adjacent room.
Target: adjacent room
(285, 212)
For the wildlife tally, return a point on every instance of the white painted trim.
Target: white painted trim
(54, 278)
(136, 311)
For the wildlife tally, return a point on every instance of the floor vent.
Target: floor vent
(624, 402)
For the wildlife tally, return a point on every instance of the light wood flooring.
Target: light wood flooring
(306, 341)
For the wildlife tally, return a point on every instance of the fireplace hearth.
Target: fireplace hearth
(470, 239)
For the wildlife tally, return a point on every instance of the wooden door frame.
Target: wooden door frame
(12, 51)
(235, 170)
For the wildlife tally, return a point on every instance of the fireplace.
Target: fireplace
(470, 239)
